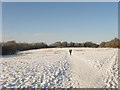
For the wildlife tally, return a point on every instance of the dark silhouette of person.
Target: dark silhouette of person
(70, 51)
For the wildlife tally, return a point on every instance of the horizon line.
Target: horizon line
(58, 41)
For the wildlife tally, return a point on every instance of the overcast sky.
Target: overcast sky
(65, 21)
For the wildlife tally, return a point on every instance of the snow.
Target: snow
(54, 67)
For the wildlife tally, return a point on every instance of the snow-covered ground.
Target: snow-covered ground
(54, 67)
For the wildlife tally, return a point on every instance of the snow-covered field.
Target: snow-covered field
(54, 67)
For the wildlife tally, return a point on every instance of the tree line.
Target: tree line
(72, 44)
(115, 43)
(11, 47)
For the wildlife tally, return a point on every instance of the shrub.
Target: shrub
(12, 47)
(9, 48)
(56, 44)
(115, 43)
(64, 44)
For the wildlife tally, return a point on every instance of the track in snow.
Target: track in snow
(56, 68)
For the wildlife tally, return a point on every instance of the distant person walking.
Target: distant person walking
(70, 51)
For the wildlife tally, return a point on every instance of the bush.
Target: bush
(89, 44)
(115, 43)
(102, 44)
(12, 47)
(9, 48)
(56, 44)
(64, 44)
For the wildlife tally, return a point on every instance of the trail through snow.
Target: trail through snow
(84, 74)
(48, 68)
